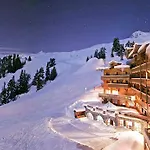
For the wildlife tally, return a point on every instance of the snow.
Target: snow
(45, 119)
(128, 141)
(143, 47)
(109, 105)
(148, 51)
(122, 66)
(102, 68)
(113, 61)
(135, 49)
(79, 109)
(140, 34)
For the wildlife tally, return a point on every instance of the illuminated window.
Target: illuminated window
(121, 123)
(108, 92)
(137, 126)
(129, 124)
(132, 98)
(115, 92)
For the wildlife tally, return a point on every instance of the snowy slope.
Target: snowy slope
(24, 124)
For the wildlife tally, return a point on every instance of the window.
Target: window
(137, 126)
(121, 122)
(129, 124)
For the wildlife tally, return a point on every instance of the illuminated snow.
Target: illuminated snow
(29, 122)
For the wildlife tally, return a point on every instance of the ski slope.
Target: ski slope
(26, 124)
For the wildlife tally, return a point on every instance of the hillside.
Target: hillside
(24, 124)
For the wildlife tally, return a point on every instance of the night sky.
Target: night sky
(66, 25)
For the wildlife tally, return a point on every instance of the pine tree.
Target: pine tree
(87, 59)
(29, 58)
(96, 53)
(10, 69)
(132, 44)
(91, 56)
(52, 62)
(116, 45)
(47, 73)
(12, 87)
(18, 63)
(23, 82)
(121, 51)
(53, 73)
(3, 70)
(34, 82)
(40, 79)
(103, 52)
(128, 44)
(112, 55)
(14, 63)
(4, 95)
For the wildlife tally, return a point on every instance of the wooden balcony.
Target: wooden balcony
(142, 95)
(145, 98)
(143, 67)
(141, 80)
(135, 80)
(135, 69)
(106, 77)
(136, 90)
(142, 103)
(118, 85)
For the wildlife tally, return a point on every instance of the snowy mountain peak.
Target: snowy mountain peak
(138, 33)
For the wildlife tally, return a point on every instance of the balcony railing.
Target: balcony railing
(145, 97)
(143, 67)
(136, 90)
(141, 80)
(119, 85)
(142, 94)
(105, 77)
(135, 80)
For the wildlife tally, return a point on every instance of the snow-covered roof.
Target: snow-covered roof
(79, 109)
(135, 49)
(148, 51)
(143, 47)
(102, 68)
(129, 48)
(122, 66)
(113, 61)
(131, 53)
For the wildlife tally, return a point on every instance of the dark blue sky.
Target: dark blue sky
(65, 25)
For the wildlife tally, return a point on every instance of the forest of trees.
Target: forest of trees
(99, 54)
(129, 44)
(10, 64)
(41, 77)
(14, 88)
(117, 48)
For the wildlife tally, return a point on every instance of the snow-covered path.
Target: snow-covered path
(93, 134)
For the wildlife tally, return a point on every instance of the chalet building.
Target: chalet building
(129, 85)
(140, 78)
(116, 82)
(131, 82)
